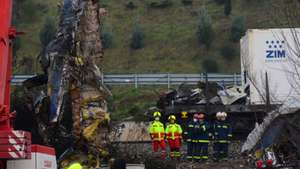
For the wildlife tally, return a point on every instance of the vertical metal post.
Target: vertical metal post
(102, 78)
(235, 79)
(245, 77)
(136, 81)
(169, 85)
(206, 94)
(267, 93)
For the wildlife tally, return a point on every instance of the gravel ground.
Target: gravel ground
(139, 152)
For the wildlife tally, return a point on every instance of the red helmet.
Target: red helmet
(196, 116)
(201, 116)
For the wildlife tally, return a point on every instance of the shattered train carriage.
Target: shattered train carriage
(72, 112)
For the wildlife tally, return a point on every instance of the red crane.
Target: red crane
(14, 144)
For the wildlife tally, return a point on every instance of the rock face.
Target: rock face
(75, 88)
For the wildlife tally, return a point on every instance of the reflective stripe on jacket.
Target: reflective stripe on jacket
(201, 132)
(173, 131)
(157, 131)
(190, 130)
(222, 131)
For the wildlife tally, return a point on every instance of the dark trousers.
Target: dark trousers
(190, 150)
(220, 150)
(202, 151)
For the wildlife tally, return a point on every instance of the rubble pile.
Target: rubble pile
(211, 93)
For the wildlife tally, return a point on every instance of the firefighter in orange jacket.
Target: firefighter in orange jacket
(174, 136)
(157, 133)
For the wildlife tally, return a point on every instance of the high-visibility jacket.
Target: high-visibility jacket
(75, 166)
(174, 131)
(222, 131)
(157, 131)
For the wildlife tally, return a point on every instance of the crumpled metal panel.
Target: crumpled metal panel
(230, 95)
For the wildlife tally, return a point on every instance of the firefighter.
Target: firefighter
(191, 140)
(222, 136)
(174, 136)
(157, 133)
(203, 137)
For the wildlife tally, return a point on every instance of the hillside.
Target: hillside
(170, 41)
(29, 16)
(170, 34)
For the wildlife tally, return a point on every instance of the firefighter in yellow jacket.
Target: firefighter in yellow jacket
(174, 136)
(157, 133)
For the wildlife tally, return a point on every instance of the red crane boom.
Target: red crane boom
(6, 34)
(13, 144)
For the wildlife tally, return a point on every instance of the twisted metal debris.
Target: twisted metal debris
(74, 84)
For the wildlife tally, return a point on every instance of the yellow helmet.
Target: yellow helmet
(157, 114)
(75, 166)
(172, 117)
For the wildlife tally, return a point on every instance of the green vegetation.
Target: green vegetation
(137, 39)
(228, 52)
(205, 31)
(171, 44)
(29, 16)
(187, 2)
(210, 66)
(106, 38)
(238, 29)
(227, 7)
(219, 1)
(48, 32)
(128, 101)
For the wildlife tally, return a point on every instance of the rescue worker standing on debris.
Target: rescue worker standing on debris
(191, 138)
(174, 136)
(157, 133)
(222, 136)
(203, 137)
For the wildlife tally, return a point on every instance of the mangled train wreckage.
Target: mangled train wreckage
(72, 110)
(276, 139)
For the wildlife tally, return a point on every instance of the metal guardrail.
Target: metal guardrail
(156, 79)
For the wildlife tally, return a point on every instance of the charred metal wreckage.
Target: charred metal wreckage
(72, 114)
(210, 98)
(276, 139)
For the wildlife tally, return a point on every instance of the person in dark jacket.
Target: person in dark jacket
(222, 136)
(191, 138)
(203, 135)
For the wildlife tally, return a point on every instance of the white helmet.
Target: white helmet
(224, 114)
(219, 114)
